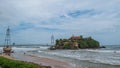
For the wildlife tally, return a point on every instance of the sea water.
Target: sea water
(108, 57)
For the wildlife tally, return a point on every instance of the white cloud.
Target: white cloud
(47, 14)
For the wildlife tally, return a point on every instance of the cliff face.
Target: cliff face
(76, 42)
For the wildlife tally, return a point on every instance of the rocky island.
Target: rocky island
(75, 42)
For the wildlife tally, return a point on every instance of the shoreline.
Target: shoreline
(34, 52)
(6, 56)
(54, 63)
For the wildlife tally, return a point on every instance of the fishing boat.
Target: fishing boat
(7, 49)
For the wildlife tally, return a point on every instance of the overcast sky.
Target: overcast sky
(34, 21)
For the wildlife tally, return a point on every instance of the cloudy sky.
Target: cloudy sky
(34, 21)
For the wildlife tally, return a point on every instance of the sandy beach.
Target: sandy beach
(43, 61)
(6, 56)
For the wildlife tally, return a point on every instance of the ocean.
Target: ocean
(108, 57)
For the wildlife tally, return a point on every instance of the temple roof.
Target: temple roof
(75, 37)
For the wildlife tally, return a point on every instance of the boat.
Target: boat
(7, 49)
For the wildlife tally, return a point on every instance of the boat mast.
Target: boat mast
(7, 38)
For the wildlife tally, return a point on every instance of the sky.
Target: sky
(34, 21)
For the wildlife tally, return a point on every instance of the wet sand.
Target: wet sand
(6, 56)
(54, 63)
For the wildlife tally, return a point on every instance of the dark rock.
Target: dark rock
(52, 48)
(46, 67)
(102, 47)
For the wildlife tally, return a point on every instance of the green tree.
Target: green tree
(66, 46)
(57, 42)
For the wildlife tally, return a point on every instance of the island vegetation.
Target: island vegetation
(76, 42)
